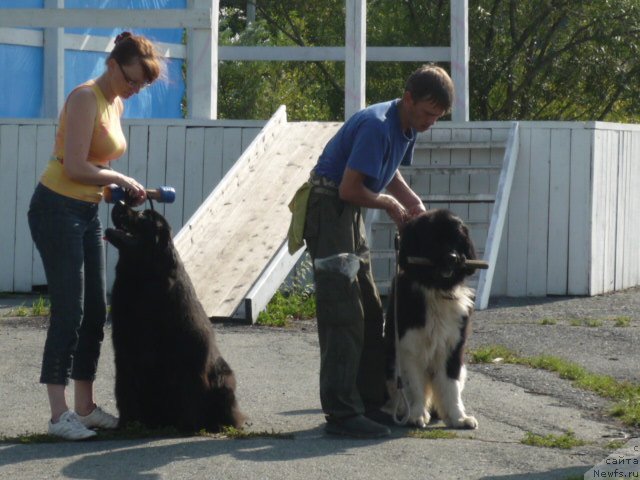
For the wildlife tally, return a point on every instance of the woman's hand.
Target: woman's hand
(136, 193)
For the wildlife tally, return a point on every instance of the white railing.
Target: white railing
(201, 20)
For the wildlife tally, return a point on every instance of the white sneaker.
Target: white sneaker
(99, 419)
(70, 428)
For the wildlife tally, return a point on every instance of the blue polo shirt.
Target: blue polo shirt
(371, 142)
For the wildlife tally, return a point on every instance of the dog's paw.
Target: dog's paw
(420, 421)
(466, 422)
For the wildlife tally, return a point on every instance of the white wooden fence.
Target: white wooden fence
(572, 225)
(191, 156)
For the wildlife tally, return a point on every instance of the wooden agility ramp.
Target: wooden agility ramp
(234, 246)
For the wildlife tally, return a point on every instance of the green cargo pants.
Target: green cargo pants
(348, 307)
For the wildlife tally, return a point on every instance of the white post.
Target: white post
(251, 11)
(355, 56)
(460, 59)
(53, 81)
(202, 65)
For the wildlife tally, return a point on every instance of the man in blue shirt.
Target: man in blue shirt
(357, 164)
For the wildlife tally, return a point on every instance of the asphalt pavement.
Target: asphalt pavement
(277, 372)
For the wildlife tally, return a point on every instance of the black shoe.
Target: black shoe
(380, 417)
(357, 426)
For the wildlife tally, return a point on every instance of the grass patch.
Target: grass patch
(41, 307)
(284, 308)
(565, 441)
(548, 321)
(432, 434)
(626, 394)
(20, 311)
(622, 321)
(237, 434)
(616, 444)
(593, 322)
(133, 431)
(136, 431)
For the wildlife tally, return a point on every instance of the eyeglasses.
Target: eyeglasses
(133, 83)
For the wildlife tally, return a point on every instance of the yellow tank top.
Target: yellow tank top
(107, 144)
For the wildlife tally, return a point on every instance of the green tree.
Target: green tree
(534, 60)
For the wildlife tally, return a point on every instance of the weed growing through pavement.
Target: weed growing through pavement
(432, 434)
(237, 434)
(548, 321)
(137, 431)
(626, 394)
(20, 311)
(622, 321)
(40, 307)
(565, 441)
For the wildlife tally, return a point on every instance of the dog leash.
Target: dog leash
(401, 397)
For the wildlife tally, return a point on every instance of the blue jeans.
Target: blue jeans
(68, 235)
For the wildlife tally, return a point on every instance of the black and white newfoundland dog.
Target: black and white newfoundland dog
(431, 307)
(169, 371)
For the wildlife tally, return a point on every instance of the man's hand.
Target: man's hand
(396, 211)
(417, 209)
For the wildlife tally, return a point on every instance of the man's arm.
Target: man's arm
(353, 190)
(402, 192)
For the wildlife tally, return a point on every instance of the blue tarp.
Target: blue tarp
(21, 78)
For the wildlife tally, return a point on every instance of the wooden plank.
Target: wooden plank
(611, 166)
(538, 213)
(189, 234)
(460, 145)
(460, 159)
(262, 291)
(112, 17)
(439, 182)
(480, 183)
(229, 242)
(632, 255)
(518, 220)
(598, 227)
(580, 212)
(624, 205)
(333, 54)
(23, 267)
(8, 192)
(248, 135)
(194, 168)
(213, 168)
(559, 178)
(157, 161)
(460, 198)
(231, 148)
(176, 141)
(498, 217)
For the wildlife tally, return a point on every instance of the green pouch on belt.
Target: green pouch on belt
(298, 208)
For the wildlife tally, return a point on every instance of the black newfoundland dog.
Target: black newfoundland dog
(169, 371)
(431, 307)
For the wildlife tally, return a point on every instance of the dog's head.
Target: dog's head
(433, 250)
(138, 234)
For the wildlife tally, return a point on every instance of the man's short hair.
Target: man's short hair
(430, 82)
